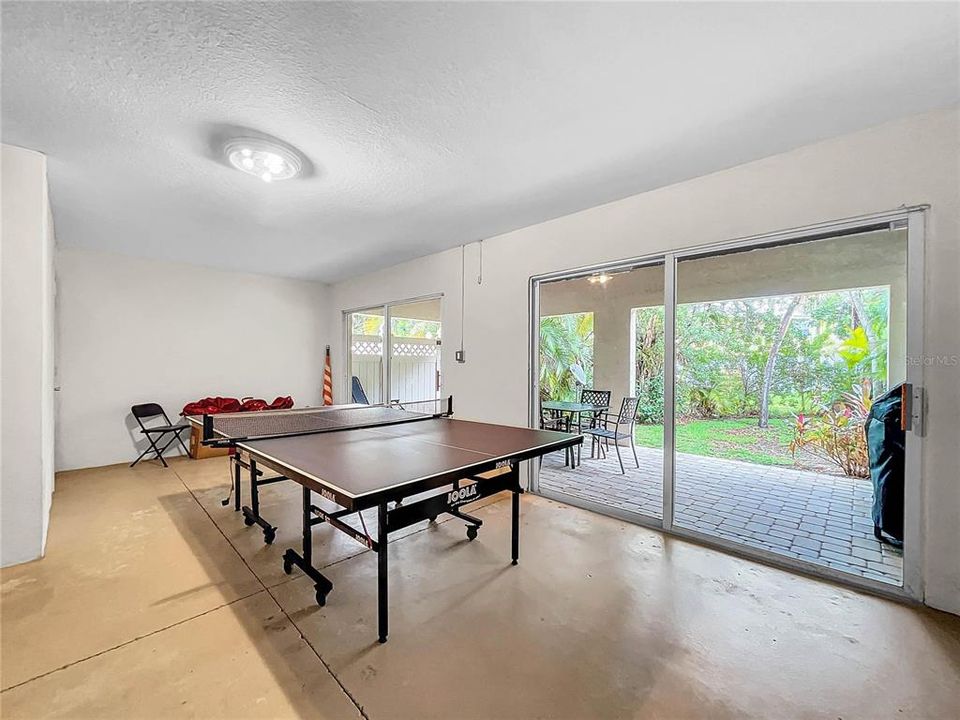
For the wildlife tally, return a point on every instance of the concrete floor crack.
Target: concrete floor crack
(266, 589)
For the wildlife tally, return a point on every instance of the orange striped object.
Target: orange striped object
(327, 380)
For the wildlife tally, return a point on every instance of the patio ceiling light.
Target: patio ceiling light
(602, 278)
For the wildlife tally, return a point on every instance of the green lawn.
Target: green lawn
(736, 439)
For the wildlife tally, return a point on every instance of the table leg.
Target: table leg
(564, 418)
(515, 529)
(236, 481)
(574, 452)
(382, 571)
(251, 515)
(304, 559)
(254, 491)
(306, 519)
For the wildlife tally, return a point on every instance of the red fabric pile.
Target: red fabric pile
(217, 405)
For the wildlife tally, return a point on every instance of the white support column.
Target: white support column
(26, 339)
(611, 351)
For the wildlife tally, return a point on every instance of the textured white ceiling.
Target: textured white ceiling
(430, 125)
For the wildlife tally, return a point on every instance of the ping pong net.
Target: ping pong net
(227, 429)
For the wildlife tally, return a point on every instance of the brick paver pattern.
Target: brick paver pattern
(820, 518)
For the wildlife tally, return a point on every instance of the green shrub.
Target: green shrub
(650, 395)
(790, 404)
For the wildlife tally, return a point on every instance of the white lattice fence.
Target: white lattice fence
(415, 364)
(367, 364)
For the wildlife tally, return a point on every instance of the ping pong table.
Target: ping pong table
(251, 513)
(371, 456)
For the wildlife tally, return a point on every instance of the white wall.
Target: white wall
(26, 358)
(910, 161)
(134, 330)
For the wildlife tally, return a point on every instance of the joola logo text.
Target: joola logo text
(456, 497)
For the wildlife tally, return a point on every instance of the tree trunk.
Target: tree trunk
(647, 367)
(744, 367)
(772, 361)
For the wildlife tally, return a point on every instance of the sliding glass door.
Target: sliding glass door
(394, 352)
(777, 412)
(415, 351)
(600, 340)
(781, 352)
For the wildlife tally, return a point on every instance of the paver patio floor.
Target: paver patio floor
(820, 518)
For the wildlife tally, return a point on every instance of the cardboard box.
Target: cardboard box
(199, 451)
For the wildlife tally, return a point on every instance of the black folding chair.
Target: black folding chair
(155, 433)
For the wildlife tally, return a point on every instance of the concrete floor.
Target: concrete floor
(156, 602)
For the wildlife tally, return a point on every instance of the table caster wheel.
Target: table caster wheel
(432, 518)
(269, 535)
(321, 598)
(248, 521)
(287, 566)
(471, 532)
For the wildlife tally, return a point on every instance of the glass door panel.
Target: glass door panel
(366, 328)
(415, 330)
(602, 336)
(780, 353)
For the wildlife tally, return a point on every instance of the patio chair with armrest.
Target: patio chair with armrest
(589, 396)
(615, 427)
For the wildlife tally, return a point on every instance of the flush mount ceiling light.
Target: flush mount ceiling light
(602, 278)
(267, 160)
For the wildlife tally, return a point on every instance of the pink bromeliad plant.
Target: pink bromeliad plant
(836, 433)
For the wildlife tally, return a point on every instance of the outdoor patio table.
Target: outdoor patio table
(560, 408)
